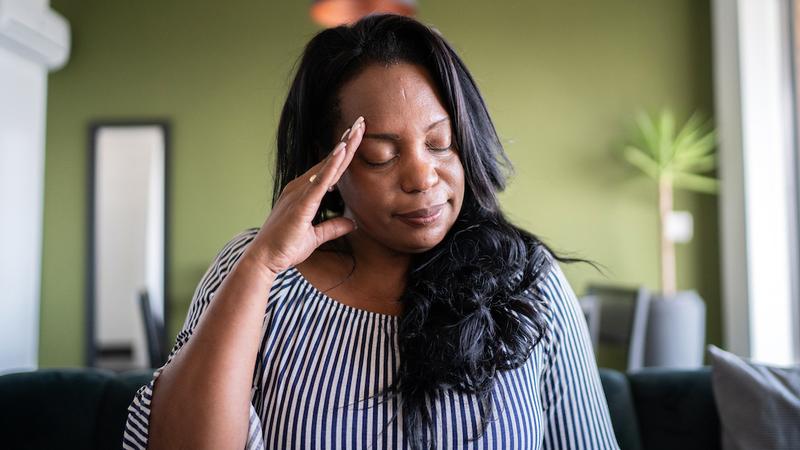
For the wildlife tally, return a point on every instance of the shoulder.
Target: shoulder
(546, 270)
(237, 243)
(554, 287)
(233, 248)
(553, 277)
(223, 262)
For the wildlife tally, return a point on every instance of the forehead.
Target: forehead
(391, 96)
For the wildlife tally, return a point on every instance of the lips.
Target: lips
(423, 212)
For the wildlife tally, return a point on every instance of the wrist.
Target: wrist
(258, 263)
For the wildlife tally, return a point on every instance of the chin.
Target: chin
(420, 243)
(423, 249)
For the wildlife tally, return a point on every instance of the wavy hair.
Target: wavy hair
(472, 304)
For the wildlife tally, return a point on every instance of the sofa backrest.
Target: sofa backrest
(675, 409)
(652, 409)
(620, 406)
(66, 408)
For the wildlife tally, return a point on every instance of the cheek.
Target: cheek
(363, 194)
(455, 175)
(457, 186)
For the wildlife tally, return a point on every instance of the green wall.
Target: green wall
(561, 80)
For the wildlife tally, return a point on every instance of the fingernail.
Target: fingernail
(346, 133)
(355, 225)
(358, 121)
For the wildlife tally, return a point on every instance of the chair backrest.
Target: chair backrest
(617, 320)
(66, 408)
(590, 304)
(154, 331)
(675, 408)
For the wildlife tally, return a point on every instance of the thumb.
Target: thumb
(333, 228)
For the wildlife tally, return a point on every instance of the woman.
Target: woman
(386, 302)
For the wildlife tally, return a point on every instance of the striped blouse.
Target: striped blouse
(318, 359)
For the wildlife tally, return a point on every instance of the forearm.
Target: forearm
(201, 399)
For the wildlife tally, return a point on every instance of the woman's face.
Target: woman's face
(405, 184)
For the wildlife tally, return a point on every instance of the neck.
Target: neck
(379, 272)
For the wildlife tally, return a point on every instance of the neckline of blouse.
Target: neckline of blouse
(350, 309)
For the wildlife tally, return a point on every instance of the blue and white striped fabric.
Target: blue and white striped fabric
(318, 358)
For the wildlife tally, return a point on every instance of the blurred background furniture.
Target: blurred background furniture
(66, 408)
(617, 321)
(651, 409)
(154, 331)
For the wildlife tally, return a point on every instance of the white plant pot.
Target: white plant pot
(676, 331)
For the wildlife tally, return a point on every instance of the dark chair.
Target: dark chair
(617, 319)
(154, 331)
(66, 408)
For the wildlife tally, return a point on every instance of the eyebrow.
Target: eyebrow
(395, 137)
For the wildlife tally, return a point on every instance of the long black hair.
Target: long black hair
(472, 304)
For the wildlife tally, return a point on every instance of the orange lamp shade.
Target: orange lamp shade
(331, 13)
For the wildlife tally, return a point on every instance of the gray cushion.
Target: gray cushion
(759, 405)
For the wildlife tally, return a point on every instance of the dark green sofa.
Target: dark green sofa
(657, 409)
(86, 409)
(66, 408)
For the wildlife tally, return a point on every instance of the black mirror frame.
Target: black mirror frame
(94, 126)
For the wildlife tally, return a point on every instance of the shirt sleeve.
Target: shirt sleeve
(574, 405)
(135, 435)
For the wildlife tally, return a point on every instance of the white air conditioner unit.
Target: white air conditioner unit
(31, 29)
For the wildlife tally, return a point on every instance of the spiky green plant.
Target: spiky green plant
(674, 158)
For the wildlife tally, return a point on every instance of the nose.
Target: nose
(419, 171)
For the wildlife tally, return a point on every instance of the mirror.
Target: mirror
(126, 274)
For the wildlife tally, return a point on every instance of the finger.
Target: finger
(309, 188)
(345, 134)
(318, 167)
(353, 141)
(314, 174)
(320, 181)
(332, 229)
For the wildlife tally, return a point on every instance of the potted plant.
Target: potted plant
(675, 159)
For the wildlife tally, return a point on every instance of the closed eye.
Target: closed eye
(443, 149)
(372, 164)
(431, 148)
